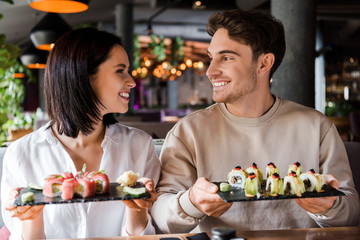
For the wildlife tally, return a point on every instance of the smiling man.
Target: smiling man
(249, 124)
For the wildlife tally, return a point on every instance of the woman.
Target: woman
(86, 79)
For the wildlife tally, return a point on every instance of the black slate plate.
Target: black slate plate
(238, 195)
(116, 193)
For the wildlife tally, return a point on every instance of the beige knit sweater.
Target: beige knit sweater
(210, 142)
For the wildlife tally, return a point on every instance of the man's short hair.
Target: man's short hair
(261, 31)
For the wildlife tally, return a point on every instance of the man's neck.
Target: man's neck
(251, 107)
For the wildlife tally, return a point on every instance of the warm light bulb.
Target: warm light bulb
(188, 63)
(37, 66)
(182, 66)
(134, 73)
(59, 6)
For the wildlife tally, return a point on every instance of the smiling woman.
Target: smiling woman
(87, 78)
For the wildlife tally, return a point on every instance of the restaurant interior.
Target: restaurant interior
(167, 42)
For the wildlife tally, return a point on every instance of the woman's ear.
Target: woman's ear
(266, 61)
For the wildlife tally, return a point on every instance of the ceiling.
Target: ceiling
(339, 19)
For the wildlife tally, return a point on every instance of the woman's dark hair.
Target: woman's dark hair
(261, 31)
(70, 100)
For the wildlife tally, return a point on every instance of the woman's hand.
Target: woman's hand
(31, 217)
(320, 205)
(137, 209)
(23, 212)
(139, 204)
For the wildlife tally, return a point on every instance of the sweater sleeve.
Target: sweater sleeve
(333, 160)
(173, 212)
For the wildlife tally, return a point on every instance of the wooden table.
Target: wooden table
(338, 233)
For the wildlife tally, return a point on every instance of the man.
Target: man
(248, 124)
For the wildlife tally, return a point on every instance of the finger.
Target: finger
(142, 203)
(12, 196)
(332, 181)
(31, 213)
(148, 183)
(206, 186)
(131, 204)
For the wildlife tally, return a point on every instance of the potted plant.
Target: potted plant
(12, 90)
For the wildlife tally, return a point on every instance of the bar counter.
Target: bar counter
(338, 233)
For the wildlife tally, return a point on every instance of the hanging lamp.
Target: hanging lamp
(60, 6)
(33, 58)
(47, 31)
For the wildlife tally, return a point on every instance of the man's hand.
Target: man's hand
(320, 205)
(203, 196)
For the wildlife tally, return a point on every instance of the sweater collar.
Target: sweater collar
(251, 121)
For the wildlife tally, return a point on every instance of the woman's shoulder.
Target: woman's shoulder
(123, 130)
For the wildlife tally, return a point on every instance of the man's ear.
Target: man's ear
(266, 61)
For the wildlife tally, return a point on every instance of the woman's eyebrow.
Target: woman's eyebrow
(121, 65)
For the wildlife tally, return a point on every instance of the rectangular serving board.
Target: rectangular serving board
(238, 195)
(116, 193)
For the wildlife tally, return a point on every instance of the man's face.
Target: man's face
(232, 71)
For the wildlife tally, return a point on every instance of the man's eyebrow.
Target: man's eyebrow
(225, 51)
(228, 51)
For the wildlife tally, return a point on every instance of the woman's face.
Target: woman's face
(112, 83)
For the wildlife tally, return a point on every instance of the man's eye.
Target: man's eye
(227, 58)
(120, 71)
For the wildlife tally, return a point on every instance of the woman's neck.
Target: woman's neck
(82, 141)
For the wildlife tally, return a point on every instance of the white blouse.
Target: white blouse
(36, 155)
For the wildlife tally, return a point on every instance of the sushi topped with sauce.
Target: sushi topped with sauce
(274, 185)
(313, 181)
(236, 177)
(293, 184)
(271, 169)
(257, 171)
(252, 186)
(295, 167)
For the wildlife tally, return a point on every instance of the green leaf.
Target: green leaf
(2, 39)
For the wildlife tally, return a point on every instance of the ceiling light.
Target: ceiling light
(48, 30)
(60, 6)
(33, 57)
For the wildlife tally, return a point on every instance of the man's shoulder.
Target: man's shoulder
(200, 114)
(293, 108)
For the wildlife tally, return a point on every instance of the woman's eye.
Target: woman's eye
(120, 71)
(227, 58)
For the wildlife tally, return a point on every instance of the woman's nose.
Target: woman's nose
(130, 82)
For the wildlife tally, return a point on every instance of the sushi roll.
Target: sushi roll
(254, 169)
(67, 175)
(101, 180)
(52, 186)
(86, 187)
(295, 167)
(313, 181)
(274, 185)
(293, 185)
(69, 188)
(236, 177)
(252, 186)
(128, 178)
(271, 169)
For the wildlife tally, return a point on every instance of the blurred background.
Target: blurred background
(167, 42)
